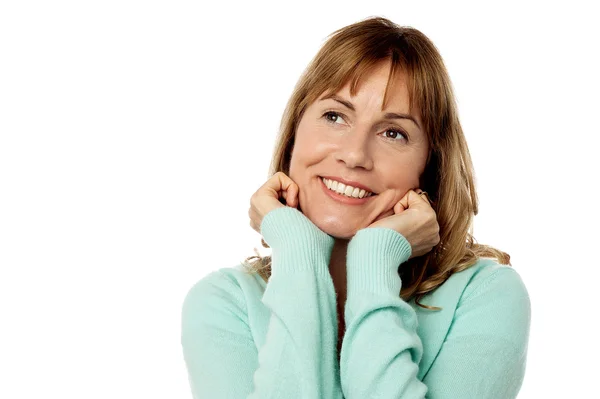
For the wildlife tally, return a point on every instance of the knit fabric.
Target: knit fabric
(245, 338)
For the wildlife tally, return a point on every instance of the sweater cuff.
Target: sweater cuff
(373, 257)
(297, 243)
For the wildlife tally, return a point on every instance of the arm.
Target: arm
(298, 358)
(381, 349)
(482, 357)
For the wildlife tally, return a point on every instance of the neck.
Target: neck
(337, 269)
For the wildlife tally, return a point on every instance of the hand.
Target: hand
(416, 220)
(266, 198)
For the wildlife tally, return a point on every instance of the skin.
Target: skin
(357, 146)
(364, 147)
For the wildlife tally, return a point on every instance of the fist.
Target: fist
(416, 220)
(267, 198)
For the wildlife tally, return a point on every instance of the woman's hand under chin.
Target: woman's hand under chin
(415, 219)
(267, 198)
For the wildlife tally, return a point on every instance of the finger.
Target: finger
(253, 223)
(287, 187)
(252, 214)
(277, 183)
(254, 227)
(402, 205)
(272, 185)
(416, 200)
(292, 195)
(424, 195)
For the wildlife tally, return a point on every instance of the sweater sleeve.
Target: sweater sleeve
(298, 358)
(483, 355)
(381, 350)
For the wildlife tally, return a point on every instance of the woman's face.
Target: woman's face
(350, 140)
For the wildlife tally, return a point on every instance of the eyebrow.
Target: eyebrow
(389, 115)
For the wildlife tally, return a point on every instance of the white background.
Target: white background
(134, 132)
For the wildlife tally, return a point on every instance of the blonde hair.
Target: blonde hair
(448, 178)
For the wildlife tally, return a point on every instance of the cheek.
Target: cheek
(298, 163)
(309, 150)
(400, 178)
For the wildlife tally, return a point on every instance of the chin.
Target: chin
(335, 222)
(337, 228)
(344, 234)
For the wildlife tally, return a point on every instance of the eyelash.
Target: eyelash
(398, 131)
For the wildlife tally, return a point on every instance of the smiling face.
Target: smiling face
(375, 155)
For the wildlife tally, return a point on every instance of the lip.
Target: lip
(350, 183)
(342, 198)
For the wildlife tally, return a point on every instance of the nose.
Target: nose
(354, 150)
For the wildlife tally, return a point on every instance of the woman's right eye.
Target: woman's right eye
(331, 116)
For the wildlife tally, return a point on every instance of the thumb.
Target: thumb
(401, 205)
(410, 200)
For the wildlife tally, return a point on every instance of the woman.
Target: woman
(372, 289)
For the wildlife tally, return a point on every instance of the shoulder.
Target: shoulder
(491, 279)
(486, 277)
(220, 296)
(487, 293)
(495, 298)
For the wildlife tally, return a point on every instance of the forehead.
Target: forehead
(379, 85)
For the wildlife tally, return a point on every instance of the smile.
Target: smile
(346, 190)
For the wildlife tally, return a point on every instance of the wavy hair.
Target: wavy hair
(349, 54)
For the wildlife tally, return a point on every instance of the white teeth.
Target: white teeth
(343, 189)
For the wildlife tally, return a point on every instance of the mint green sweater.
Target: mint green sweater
(244, 338)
